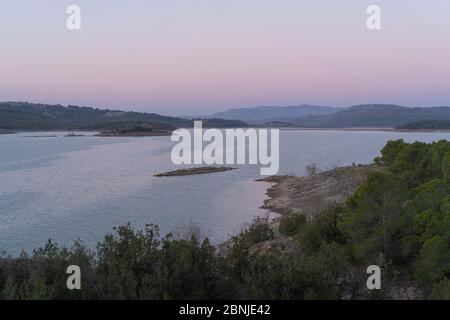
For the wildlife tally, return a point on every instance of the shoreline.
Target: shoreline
(308, 195)
(99, 133)
(335, 129)
(365, 129)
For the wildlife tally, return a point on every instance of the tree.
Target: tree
(434, 261)
(291, 223)
(446, 167)
(370, 221)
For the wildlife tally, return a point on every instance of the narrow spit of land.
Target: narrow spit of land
(141, 133)
(306, 195)
(195, 170)
(309, 195)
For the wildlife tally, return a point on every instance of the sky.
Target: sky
(192, 57)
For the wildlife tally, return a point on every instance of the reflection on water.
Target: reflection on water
(80, 187)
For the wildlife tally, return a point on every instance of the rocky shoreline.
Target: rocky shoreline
(309, 195)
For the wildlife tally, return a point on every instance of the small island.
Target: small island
(6, 132)
(72, 134)
(134, 133)
(43, 136)
(195, 170)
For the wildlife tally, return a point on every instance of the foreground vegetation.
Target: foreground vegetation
(399, 219)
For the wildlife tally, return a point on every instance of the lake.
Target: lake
(64, 188)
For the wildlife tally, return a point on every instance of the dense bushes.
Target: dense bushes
(291, 224)
(126, 265)
(399, 218)
(141, 265)
(402, 214)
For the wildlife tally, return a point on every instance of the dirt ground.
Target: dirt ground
(310, 194)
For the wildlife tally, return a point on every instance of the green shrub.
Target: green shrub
(291, 223)
(322, 228)
(441, 290)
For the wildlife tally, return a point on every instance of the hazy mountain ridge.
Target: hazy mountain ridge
(32, 116)
(360, 116)
(273, 113)
(376, 115)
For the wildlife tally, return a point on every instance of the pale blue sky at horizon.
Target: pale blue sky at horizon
(200, 57)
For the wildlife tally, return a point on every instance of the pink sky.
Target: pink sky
(199, 57)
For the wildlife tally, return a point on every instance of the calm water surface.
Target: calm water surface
(81, 187)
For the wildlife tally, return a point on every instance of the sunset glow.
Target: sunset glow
(175, 57)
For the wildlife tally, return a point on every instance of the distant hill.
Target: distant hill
(426, 125)
(269, 113)
(374, 116)
(31, 116)
(368, 116)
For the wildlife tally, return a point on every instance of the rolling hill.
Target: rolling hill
(31, 116)
(361, 116)
(374, 116)
(271, 113)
